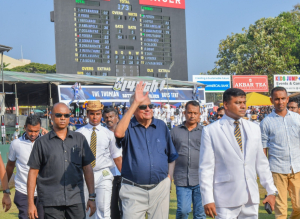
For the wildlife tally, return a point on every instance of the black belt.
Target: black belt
(128, 182)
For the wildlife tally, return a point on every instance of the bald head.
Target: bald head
(59, 106)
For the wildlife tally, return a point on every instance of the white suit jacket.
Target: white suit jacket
(225, 174)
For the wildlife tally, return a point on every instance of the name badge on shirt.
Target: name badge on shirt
(105, 173)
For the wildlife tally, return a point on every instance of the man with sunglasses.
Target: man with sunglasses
(294, 105)
(57, 164)
(103, 145)
(148, 160)
(220, 112)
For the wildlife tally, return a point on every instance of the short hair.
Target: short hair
(232, 92)
(295, 100)
(220, 108)
(109, 110)
(277, 89)
(193, 103)
(33, 120)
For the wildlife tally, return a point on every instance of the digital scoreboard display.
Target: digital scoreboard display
(121, 37)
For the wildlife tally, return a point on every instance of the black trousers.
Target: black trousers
(76, 211)
(21, 202)
(116, 204)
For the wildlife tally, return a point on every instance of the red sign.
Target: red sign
(251, 83)
(165, 3)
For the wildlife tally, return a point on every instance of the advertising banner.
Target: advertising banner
(108, 94)
(164, 3)
(209, 105)
(290, 82)
(251, 83)
(214, 83)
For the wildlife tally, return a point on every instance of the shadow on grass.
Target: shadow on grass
(172, 211)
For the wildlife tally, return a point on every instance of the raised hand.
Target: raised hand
(139, 93)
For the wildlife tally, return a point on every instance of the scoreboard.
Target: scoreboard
(121, 38)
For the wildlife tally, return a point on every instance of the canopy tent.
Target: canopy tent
(256, 99)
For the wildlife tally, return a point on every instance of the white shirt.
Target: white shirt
(155, 112)
(114, 170)
(106, 149)
(19, 151)
(168, 111)
(172, 110)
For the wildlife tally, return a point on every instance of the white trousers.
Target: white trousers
(103, 190)
(246, 211)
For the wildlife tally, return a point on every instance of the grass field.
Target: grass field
(13, 212)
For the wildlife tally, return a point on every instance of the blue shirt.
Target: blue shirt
(281, 135)
(72, 119)
(147, 152)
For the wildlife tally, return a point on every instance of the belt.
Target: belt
(128, 182)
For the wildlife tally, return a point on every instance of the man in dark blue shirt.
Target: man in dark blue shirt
(148, 160)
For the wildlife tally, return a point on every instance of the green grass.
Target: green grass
(13, 212)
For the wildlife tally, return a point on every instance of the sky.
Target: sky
(27, 24)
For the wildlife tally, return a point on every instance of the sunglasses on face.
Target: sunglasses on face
(59, 115)
(143, 107)
(221, 115)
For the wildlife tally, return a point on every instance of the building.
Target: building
(14, 62)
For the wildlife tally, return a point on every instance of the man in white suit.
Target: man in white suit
(231, 156)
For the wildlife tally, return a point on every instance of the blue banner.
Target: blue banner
(216, 86)
(107, 94)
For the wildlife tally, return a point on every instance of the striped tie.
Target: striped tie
(93, 145)
(237, 134)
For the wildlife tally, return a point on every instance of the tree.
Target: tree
(5, 65)
(35, 68)
(270, 46)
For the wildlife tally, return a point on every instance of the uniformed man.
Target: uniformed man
(102, 144)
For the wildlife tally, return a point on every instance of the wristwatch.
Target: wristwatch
(276, 194)
(6, 191)
(93, 195)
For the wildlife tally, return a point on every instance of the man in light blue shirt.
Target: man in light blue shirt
(281, 139)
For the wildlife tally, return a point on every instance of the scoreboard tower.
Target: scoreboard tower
(121, 37)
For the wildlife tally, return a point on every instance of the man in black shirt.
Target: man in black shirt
(59, 159)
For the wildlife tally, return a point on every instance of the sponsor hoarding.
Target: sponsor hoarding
(251, 83)
(290, 82)
(214, 83)
(108, 94)
(164, 3)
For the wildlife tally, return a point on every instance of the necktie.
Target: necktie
(93, 145)
(237, 134)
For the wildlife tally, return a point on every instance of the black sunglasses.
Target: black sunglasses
(143, 107)
(221, 115)
(58, 115)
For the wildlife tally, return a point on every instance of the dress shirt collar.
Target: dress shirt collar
(90, 127)
(134, 122)
(231, 120)
(195, 129)
(274, 114)
(53, 134)
(24, 137)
